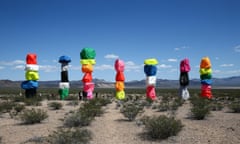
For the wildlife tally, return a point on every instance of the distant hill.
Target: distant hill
(161, 83)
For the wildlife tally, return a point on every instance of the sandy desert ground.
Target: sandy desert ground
(221, 127)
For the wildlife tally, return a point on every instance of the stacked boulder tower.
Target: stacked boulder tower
(31, 76)
(120, 78)
(87, 61)
(150, 70)
(184, 78)
(64, 84)
(206, 78)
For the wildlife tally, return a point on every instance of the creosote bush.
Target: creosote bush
(6, 106)
(78, 119)
(19, 107)
(130, 110)
(77, 136)
(55, 105)
(86, 113)
(32, 116)
(34, 101)
(162, 127)
(234, 106)
(216, 106)
(200, 107)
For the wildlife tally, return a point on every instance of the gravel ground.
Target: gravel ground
(221, 127)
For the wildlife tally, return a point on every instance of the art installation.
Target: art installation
(206, 78)
(64, 84)
(31, 75)
(120, 78)
(184, 78)
(150, 70)
(87, 61)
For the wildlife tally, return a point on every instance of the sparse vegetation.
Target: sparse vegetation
(216, 106)
(76, 136)
(234, 106)
(34, 101)
(55, 105)
(19, 107)
(82, 117)
(73, 103)
(162, 127)
(130, 110)
(200, 107)
(32, 116)
(6, 106)
(86, 113)
(78, 119)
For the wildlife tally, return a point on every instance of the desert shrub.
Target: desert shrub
(32, 116)
(17, 99)
(99, 101)
(145, 103)
(91, 108)
(162, 127)
(200, 107)
(73, 103)
(78, 136)
(34, 101)
(131, 110)
(234, 106)
(78, 119)
(16, 110)
(163, 106)
(71, 97)
(216, 106)
(55, 105)
(104, 101)
(36, 140)
(6, 106)
(19, 107)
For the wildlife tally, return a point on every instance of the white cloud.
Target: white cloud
(19, 67)
(172, 60)
(226, 65)
(197, 66)
(48, 68)
(173, 70)
(10, 63)
(217, 71)
(130, 65)
(104, 67)
(164, 66)
(180, 48)
(176, 49)
(75, 67)
(237, 48)
(230, 72)
(111, 56)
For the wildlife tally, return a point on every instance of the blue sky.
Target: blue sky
(132, 30)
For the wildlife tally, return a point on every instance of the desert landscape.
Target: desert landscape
(221, 126)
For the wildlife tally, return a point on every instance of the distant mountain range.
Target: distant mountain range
(161, 83)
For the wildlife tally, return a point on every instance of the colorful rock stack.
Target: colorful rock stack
(184, 78)
(120, 78)
(206, 77)
(64, 84)
(31, 76)
(150, 70)
(87, 56)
